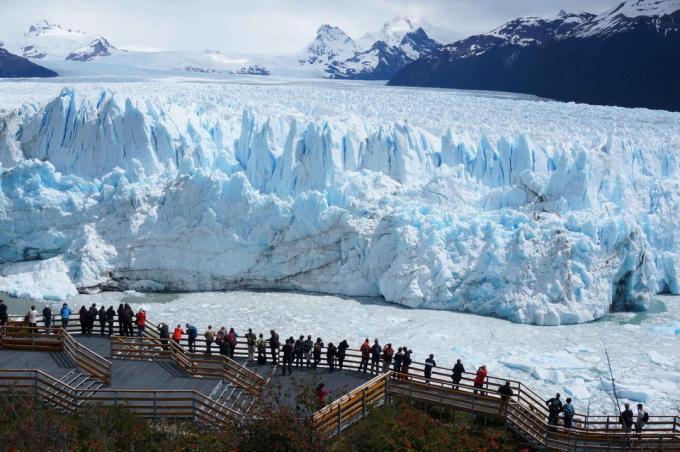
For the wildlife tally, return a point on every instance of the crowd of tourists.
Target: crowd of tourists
(301, 353)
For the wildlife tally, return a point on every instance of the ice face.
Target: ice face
(194, 187)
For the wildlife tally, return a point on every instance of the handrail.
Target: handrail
(95, 365)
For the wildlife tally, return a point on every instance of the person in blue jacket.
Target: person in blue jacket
(192, 334)
(65, 315)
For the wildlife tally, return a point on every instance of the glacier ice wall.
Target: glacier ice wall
(152, 195)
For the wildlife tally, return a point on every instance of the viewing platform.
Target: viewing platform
(158, 378)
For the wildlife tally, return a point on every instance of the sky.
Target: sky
(264, 26)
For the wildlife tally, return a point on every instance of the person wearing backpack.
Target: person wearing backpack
(554, 409)
(365, 350)
(568, 410)
(232, 341)
(642, 419)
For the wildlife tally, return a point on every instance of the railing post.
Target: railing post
(35, 386)
(339, 418)
(363, 401)
(154, 406)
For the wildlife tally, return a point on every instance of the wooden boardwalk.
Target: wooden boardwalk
(158, 378)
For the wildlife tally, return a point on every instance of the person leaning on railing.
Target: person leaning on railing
(47, 318)
(387, 354)
(209, 336)
(506, 392)
(342, 351)
(65, 315)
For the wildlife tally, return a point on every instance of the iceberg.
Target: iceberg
(186, 188)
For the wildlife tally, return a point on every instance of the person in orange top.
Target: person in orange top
(365, 353)
(321, 393)
(140, 320)
(177, 334)
(479, 379)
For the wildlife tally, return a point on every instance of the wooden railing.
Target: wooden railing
(146, 403)
(216, 366)
(85, 359)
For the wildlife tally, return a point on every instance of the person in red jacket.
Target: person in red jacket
(140, 320)
(177, 334)
(480, 378)
(321, 393)
(365, 350)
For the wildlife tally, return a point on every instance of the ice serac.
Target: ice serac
(152, 194)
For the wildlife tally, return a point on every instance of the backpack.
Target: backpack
(645, 418)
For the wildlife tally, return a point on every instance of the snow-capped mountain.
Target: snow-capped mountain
(330, 45)
(375, 56)
(15, 66)
(98, 48)
(50, 41)
(627, 56)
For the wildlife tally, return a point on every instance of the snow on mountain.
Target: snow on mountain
(537, 212)
(391, 33)
(98, 48)
(46, 40)
(663, 15)
(331, 44)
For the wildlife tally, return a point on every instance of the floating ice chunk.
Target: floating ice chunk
(47, 279)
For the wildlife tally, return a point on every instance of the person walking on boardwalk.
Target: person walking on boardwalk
(457, 373)
(506, 392)
(140, 320)
(342, 352)
(250, 342)
(177, 334)
(65, 314)
(331, 351)
(376, 351)
(209, 336)
(554, 409)
(261, 345)
(47, 317)
(299, 350)
(398, 359)
(164, 333)
(365, 350)
(626, 418)
(32, 317)
(192, 334)
(316, 352)
(387, 355)
(274, 345)
(121, 319)
(307, 348)
(110, 317)
(232, 340)
(568, 410)
(641, 420)
(82, 316)
(288, 357)
(406, 363)
(101, 316)
(221, 341)
(4, 318)
(479, 379)
(429, 365)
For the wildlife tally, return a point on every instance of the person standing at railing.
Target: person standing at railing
(641, 420)
(342, 352)
(387, 354)
(261, 345)
(92, 314)
(209, 336)
(232, 341)
(65, 315)
(164, 334)
(331, 351)
(376, 351)
(82, 316)
(479, 379)
(554, 409)
(457, 373)
(178, 333)
(192, 334)
(365, 350)
(398, 359)
(299, 350)
(32, 317)
(316, 351)
(274, 344)
(626, 418)
(406, 363)
(110, 317)
(221, 340)
(102, 320)
(506, 392)
(288, 351)
(121, 315)
(307, 348)
(250, 341)
(128, 315)
(568, 410)
(429, 365)
(140, 320)
(47, 318)
(3, 313)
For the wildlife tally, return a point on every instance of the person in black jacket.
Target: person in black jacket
(626, 418)
(506, 392)
(3, 313)
(376, 351)
(299, 349)
(164, 334)
(274, 345)
(91, 318)
(457, 373)
(101, 315)
(288, 350)
(331, 351)
(110, 317)
(342, 352)
(127, 320)
(554, 409)
(82, 316)
(120, 319)
(47, 317)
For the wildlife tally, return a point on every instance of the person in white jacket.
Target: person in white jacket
(33, 317)
(641, 419)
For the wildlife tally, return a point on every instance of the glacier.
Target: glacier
(533, 211)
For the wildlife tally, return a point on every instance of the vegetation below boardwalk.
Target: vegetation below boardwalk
(26, 426)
